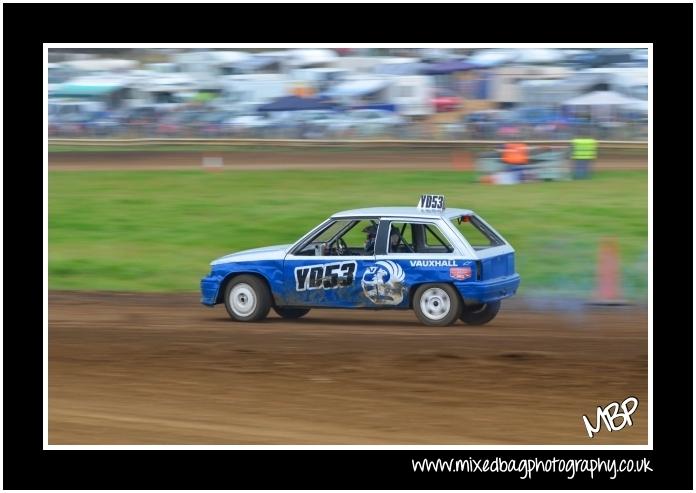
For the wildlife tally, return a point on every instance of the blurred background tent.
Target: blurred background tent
(639, 106)
(493, 57)
(602, 106)
(447, 67)
(296, 103)
(539, 56)
(355, 88)
(601, 98)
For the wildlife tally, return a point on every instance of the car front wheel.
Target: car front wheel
(247, 299)
(287, 312)
(437, 304)
(480, 314)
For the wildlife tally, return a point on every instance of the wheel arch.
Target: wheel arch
(226, 280)
(414, 287)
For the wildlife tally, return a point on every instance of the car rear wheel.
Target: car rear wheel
(437, 304)
(287, 312)
(480, 314)
(247, 299)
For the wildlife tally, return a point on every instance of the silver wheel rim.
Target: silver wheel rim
(242, 300)
(435, 303)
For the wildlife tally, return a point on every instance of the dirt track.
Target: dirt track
(411, 160)
(156, 369)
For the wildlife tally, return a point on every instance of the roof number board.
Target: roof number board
(432, 202)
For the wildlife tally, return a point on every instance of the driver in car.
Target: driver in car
(371, 232)
(395, 239)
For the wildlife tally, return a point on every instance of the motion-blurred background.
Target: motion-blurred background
(161, 160)
(338, 93)
(129, 229)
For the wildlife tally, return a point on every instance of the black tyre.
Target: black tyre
(437, 304)
(247, 298)
(288, 312)
(480, 314)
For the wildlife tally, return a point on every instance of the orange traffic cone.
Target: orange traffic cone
(608, 290)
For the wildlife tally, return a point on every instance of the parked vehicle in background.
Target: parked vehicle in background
(164, 67)
(177, 124)
(412, 95)
(314, 124)
(61, 107)
(112, 91)
(58, 74)
(243, 125)
(483, 124)
(103, 124)
(246, 92)
(68, 125)
(320, 124)
(542, 122)
(319, 78)
(166, 91)
(212, 123)
(207, 66)
(489, 58)
(70, 117)
(456, 129)
(446, 100)
(141, 120)
(261, 125)
(374, 122)
(94, 66)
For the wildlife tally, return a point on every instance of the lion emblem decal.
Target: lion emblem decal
(383, 284)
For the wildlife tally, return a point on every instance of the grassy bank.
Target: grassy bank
(157, 231)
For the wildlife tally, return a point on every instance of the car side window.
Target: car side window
(318, 245)
(341, 238)
(476, 232)
(417, 238)
(359, 239)
(435, 240)
(401, 238)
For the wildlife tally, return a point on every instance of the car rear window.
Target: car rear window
(476, 232)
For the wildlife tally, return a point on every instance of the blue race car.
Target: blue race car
(445, 264)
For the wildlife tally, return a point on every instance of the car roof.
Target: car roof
(403, 212)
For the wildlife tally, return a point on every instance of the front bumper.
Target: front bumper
(210, 286)
(486, 291)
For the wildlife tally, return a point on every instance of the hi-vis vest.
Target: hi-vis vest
(515, 153)
(584, 149)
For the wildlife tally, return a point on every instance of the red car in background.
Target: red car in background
(445, 100)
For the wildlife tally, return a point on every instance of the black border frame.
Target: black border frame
(26, 26)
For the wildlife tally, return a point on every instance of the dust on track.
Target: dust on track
(163, 369)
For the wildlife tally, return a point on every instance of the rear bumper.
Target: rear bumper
(209, 290)
(486, 291)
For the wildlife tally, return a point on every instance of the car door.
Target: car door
(323, 272)
(418, 251)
